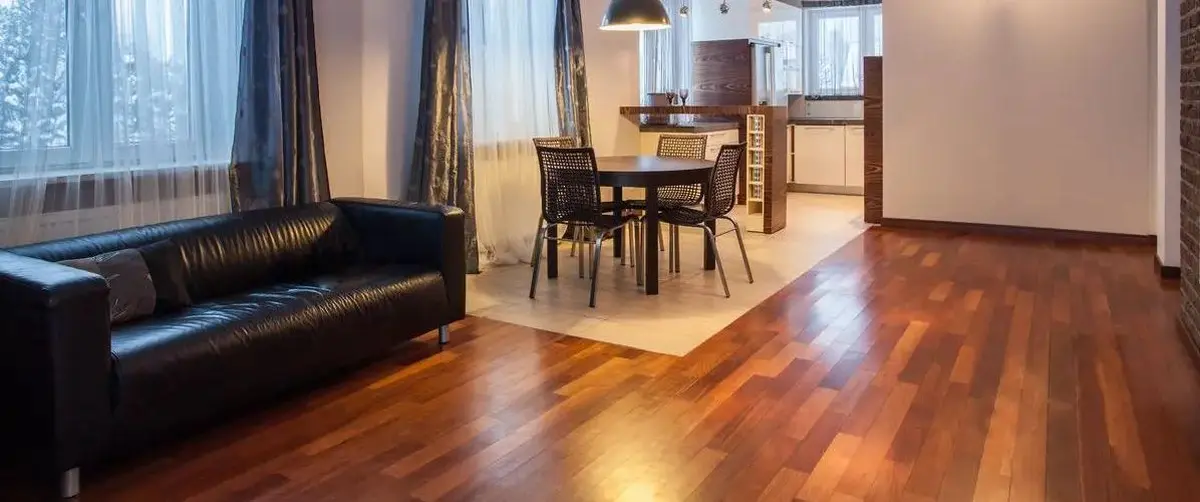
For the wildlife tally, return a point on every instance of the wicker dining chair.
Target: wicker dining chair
(686, 146)
(561, 142)
(571, 196)
(719, 200)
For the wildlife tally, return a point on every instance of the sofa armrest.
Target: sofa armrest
(55, 367)
(401, 232)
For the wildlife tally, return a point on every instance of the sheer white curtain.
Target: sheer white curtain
(513, 101)
(666, 55)
(114, 113)
(836, 40)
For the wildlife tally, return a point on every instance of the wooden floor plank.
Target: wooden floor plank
(912, 366)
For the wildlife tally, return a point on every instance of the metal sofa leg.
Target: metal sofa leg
(68, 483)
(443, 334)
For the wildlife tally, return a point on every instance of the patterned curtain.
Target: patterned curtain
(571, 73)
(443, 169)
(278, 146)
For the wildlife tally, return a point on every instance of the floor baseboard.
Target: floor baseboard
(1016, 231)
(1165, 271)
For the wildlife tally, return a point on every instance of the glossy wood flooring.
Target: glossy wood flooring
(909, 366)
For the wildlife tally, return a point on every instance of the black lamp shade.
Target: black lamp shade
(635, 15)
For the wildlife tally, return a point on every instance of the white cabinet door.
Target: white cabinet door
(820, 155)
(855, 155)
(718, 138)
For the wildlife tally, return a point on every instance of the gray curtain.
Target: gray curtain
(443, 170)
(278, 145)
(571, 73)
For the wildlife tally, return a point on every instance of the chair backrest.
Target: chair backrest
(555, 142)
(722, 187)
(683, 146)
(570, 191)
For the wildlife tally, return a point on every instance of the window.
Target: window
(837, 38)
(666, 55)
(21, 23)
(787, 33)
(99, 84)
(512, 71)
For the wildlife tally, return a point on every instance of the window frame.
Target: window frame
(71, 159)
(811, 46)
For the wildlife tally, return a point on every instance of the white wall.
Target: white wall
(392, 37)
(741, 22)
(612, 75)
(1018, 112)
(339, 60)
(1166, 138)
(369, 54)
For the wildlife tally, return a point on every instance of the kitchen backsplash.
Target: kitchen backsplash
(798, 107)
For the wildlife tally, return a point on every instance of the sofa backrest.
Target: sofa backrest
(234, 252)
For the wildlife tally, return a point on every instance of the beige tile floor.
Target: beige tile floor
(690, 306)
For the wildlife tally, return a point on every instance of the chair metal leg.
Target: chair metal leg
(531, 258)
(591, 252)
(581, 260)
(68, 483)
(537, 260)
(671, 244)
(624, 231)
(632, 237)
(639, 253)
(678, 245)
(717, 254)
(737, 230)
(443, 334)
(573, 231)
(596, 267)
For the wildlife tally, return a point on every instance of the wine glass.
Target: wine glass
(683, 95)
(671, 97)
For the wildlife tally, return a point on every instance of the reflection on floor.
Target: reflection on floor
(690, 307)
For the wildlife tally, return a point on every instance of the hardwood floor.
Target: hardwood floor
(909, 366)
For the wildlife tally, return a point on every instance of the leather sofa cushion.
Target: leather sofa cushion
(130, 288)
(191, 366)
(269, 246)
(232, 252)
(165, 262)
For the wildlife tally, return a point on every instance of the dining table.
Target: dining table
(648, 172)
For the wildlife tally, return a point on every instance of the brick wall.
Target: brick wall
(1189, 138)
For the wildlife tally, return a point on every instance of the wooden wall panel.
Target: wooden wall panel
(775, 190)
(722, 72)
(873, 119)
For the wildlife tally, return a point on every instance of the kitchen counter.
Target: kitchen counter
(697, 127)
(826, 121)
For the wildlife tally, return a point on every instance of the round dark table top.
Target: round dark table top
(651, 171)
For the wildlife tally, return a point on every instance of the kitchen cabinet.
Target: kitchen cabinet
(855, 156)
(827, 158)
(820, 155)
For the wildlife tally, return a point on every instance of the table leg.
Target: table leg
(618, 234)
(552, 252)
(710, 259)
(651, 243)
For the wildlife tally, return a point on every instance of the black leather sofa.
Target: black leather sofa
(280, 298)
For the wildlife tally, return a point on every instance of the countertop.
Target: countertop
(697, 127)
(826, 121)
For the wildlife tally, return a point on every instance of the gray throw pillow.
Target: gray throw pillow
(131, 291)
